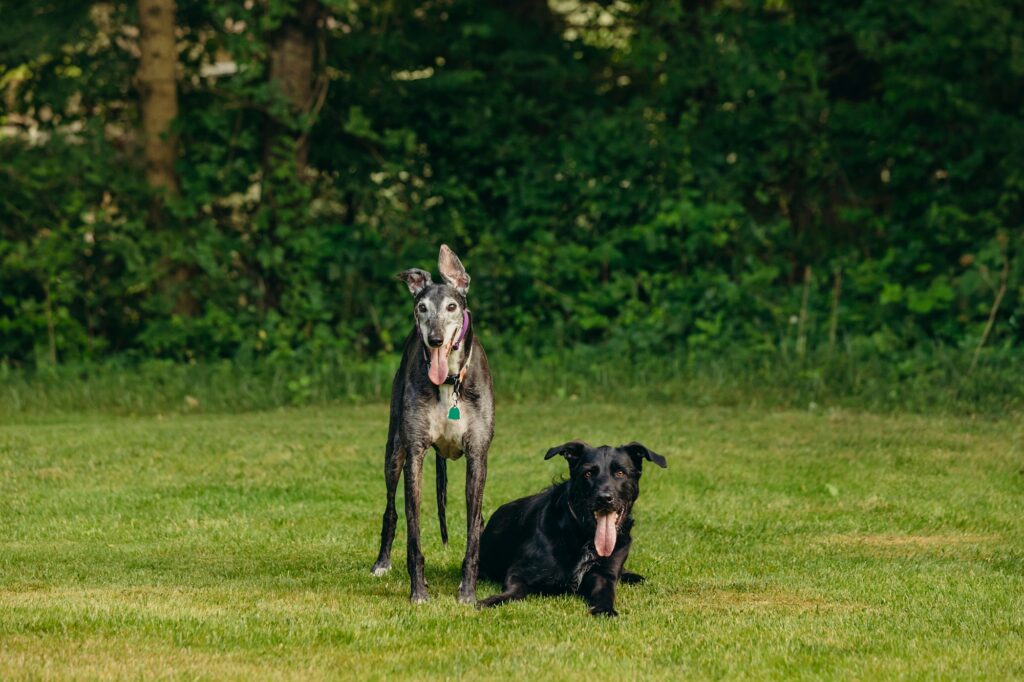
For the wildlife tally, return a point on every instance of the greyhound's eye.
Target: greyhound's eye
(620, 474)
(422, 307)
(588, 474)
(451, 307)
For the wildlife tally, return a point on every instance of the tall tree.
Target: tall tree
(159, 91)
(292, 49)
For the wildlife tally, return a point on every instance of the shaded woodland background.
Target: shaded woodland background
(774, 181)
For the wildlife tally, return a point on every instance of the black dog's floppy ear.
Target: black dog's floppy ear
(571, 450)
(452, 271)
(415, 279)
(639, 451)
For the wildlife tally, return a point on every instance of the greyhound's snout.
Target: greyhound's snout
(435, 340)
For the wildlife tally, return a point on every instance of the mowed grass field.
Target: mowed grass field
(777, 544)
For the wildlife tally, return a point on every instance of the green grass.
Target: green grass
(778, 544)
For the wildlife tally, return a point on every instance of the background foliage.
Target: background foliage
(771, 179)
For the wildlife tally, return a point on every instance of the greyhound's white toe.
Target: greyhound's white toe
(380, 570)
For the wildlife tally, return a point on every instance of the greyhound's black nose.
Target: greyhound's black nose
(435, 341)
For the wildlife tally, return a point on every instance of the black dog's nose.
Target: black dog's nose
(604, 497)
(434, 341)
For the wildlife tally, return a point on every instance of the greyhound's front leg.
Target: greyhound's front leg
(414, 555)
(394, 460)
(476, 476)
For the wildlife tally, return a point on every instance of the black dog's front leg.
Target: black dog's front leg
(599, 591)
(630, 578)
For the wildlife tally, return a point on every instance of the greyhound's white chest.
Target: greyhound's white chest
(447, 433)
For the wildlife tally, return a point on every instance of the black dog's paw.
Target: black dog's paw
(628, 578)
(488, 603)
(608, 611)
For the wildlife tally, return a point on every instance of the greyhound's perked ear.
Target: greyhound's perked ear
(571, 451)
(415, 279)
(640, 452)
(452, 271)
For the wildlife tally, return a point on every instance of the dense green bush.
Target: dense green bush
(649, 177)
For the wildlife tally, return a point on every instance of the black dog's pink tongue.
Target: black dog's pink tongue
(604, 538)
(438, 365)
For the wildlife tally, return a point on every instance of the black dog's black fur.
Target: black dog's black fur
(544, 544)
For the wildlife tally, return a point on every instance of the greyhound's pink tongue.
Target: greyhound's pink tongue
(604, 538)
(438, 365)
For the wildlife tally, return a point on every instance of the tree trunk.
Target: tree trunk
(158, 88)
(291, 65)
(532, 12)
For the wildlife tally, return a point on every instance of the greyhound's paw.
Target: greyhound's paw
(419, 598)
(380, 569)
(467, 598)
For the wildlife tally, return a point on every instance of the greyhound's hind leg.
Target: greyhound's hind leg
(394, 460)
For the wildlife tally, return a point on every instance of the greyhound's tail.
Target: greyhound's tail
(442, 496)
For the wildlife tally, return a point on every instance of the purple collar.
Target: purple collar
(465, 326)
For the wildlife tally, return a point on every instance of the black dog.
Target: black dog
(574, 536)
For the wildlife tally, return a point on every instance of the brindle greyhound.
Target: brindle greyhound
(441, 397)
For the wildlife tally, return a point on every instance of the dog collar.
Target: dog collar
(457, 379)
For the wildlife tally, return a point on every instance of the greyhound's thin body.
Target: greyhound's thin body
(442, 345)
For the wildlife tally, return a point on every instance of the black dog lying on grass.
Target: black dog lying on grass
(574, 536)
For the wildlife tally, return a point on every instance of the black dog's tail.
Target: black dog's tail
(442, 496)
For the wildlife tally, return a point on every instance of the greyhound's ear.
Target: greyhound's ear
(640, 452)
(571, 451)
(452, 271)
(415, 279)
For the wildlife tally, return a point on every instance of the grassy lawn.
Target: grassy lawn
(778, 544)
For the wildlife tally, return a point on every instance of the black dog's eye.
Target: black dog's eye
(587, 474)
(451, 307)
(422, 307)
(620, 474)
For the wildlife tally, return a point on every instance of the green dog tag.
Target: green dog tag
(454, 413)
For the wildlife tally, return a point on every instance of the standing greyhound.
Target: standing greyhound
(441, 397)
